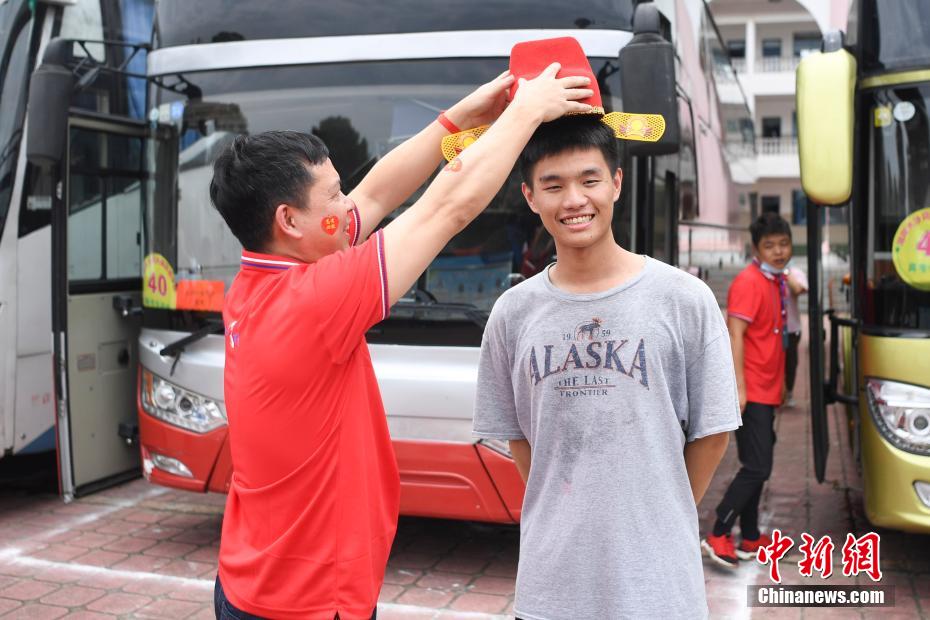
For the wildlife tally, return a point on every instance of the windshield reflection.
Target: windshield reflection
(900, 162)
(361, 112)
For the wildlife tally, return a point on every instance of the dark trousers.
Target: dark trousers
(225, 610)
(755, 442)
(791, 360)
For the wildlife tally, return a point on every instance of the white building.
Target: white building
(766, 40)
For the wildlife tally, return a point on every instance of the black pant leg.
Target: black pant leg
(791, 360)
(749, 517)
(217, 598)
(755, 441)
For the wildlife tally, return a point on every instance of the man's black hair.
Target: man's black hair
(569, 133)
(768, 223)
(254, 174)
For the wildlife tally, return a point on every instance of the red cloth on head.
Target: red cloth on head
(529, 58)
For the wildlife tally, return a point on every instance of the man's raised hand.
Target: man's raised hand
(553, 97)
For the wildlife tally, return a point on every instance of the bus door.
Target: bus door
(819, 396)
(832, 328)
(97, 270)
(825, 92)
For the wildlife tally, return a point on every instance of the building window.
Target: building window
(737, 48)
(836, 215)
(798, 207)
(771, 48)
(771, 127)
(771, 204)
(805, 43)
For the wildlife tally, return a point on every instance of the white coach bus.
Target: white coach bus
(69, 241)
(364, 76)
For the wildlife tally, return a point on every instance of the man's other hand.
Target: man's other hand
(483, 105)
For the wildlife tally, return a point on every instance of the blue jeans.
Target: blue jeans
(225, 610)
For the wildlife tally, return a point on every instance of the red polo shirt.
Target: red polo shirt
(313, 504)
(754, 298)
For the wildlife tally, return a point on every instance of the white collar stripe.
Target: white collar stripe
(268, 262)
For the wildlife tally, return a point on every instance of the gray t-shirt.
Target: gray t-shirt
(608, 387)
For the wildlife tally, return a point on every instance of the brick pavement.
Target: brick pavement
(140, 551)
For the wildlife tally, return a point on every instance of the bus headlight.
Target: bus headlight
(923, 492)
(902, 413)
(175, 405)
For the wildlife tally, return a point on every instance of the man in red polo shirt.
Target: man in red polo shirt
(313, 502)
(757, 319)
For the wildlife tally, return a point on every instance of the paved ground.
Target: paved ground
(139, 551)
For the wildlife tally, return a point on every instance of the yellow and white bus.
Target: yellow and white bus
(864, 132)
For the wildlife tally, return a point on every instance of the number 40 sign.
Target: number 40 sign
(910, 250)
(158, 283)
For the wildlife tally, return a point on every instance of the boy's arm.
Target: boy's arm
(468, 183)
(701, 459)
(795, 285)
(737, 328)
(522, 456)
(404, 169)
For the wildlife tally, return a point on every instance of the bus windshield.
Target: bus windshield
(896, 287)
(895, 34)
(362, 111)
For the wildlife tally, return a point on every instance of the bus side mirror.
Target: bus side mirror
(647, 79)
(49, 99)
(826, 84)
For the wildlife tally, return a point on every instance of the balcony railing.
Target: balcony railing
(768, 65)
(740, 150)
(787, 145)
(777, 65)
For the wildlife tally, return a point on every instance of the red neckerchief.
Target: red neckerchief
(782, 283)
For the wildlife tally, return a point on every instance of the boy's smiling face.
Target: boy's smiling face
(573, 192)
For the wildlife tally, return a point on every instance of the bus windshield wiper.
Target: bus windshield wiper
(425, 302)
(177, 347)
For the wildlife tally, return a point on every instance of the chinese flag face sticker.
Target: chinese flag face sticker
(330, 224)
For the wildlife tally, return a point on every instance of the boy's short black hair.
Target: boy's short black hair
(254, 174)
(769, 223)
(581, 131)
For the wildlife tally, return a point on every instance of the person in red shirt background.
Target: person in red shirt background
(313, 501)
(757, 321)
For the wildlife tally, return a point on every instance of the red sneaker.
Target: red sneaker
(748, 549)
(720, 550)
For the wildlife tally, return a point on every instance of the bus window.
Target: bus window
(14, 74)
(128, 21)
(181, 22)
(104, 216)
(897, 33)
(900, 166)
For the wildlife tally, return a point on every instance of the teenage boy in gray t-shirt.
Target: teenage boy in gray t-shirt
(610, 373)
